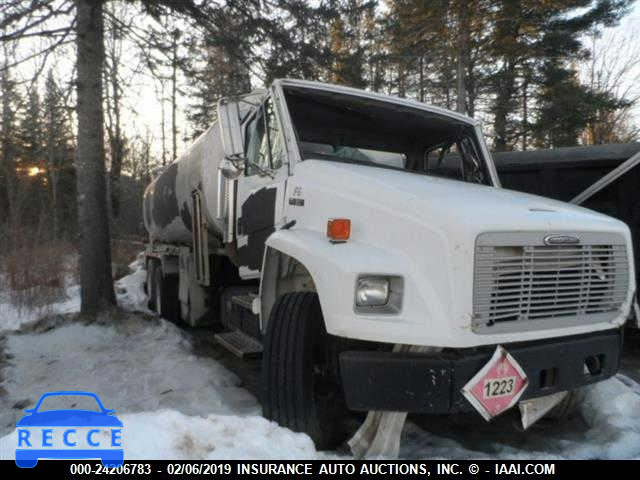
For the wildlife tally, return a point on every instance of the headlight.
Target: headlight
(378, 294)
(372, 291)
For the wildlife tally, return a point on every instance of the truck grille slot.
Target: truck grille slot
(518, 283)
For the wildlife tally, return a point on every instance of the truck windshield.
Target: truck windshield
(346, 128)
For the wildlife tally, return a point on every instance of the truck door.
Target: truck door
(260, 190)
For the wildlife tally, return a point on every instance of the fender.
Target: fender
(334, 269)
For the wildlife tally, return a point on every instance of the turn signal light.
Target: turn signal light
(339, 229)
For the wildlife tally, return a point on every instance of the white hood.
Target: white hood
(424, 229)
(455, 203)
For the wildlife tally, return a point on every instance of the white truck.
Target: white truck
(363, 245)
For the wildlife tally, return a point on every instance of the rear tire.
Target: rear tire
(165, 289)
(302, 389)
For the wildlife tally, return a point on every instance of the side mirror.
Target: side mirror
(30, 410)
(230, 128)
(230, 169)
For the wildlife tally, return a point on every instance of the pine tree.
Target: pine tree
(97, 291)
(58, 152)
(532, 42)
(565, 107)
(9, 148)
(346, 42)
(294, 37)
(438, 49)
(31, 164)
(220, 75)
(113, 87)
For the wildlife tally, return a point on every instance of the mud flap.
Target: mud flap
(534, 409)
(379, 435)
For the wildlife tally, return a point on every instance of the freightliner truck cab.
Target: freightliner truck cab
(362, 244)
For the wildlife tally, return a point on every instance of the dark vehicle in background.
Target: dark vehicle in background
(565, 173)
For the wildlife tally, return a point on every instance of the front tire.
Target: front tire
(300, 373)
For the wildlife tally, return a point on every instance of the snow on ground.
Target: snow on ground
(171, 434)
(129, 289)
(175, 404)
(13, 317)
(610, 430)
(172, 402)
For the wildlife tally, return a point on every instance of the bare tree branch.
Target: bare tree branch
(55, 32)
(27, 14)
(46, 54)
(53, 46)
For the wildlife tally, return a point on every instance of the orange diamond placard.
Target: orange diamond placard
(497, 386)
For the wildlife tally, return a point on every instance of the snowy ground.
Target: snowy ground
(176, 401)
(13, 317)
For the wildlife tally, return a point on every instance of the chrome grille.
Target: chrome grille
(519, 279)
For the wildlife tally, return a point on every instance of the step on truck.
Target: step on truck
(362, 244)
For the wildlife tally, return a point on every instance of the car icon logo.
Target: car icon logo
(70, 433)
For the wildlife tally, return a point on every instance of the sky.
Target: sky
(143, 107)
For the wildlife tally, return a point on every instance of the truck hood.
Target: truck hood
(423, 229)
(455, 204)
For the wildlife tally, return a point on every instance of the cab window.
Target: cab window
(264, 144)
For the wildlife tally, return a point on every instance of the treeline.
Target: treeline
(37, 186)
(74, 160)
(512, 63)
(38, 177)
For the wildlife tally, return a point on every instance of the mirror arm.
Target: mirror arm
(231, 167)
(264, 171)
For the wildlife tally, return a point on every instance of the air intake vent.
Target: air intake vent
(520, 279)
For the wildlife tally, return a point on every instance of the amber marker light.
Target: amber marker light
(339, 229)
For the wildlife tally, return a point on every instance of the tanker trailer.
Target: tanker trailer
(190, 188)
(362, 245)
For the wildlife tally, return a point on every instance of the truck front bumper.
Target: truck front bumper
(422, 383)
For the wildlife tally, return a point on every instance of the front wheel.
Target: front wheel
(300, 373)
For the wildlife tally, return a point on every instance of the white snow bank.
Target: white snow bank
(177, 405)
(133, 366)
(129, 289)
(169, 434)
(611, 409)
(191, 407)
(612, 432)
(129, 292)
(12, 317)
